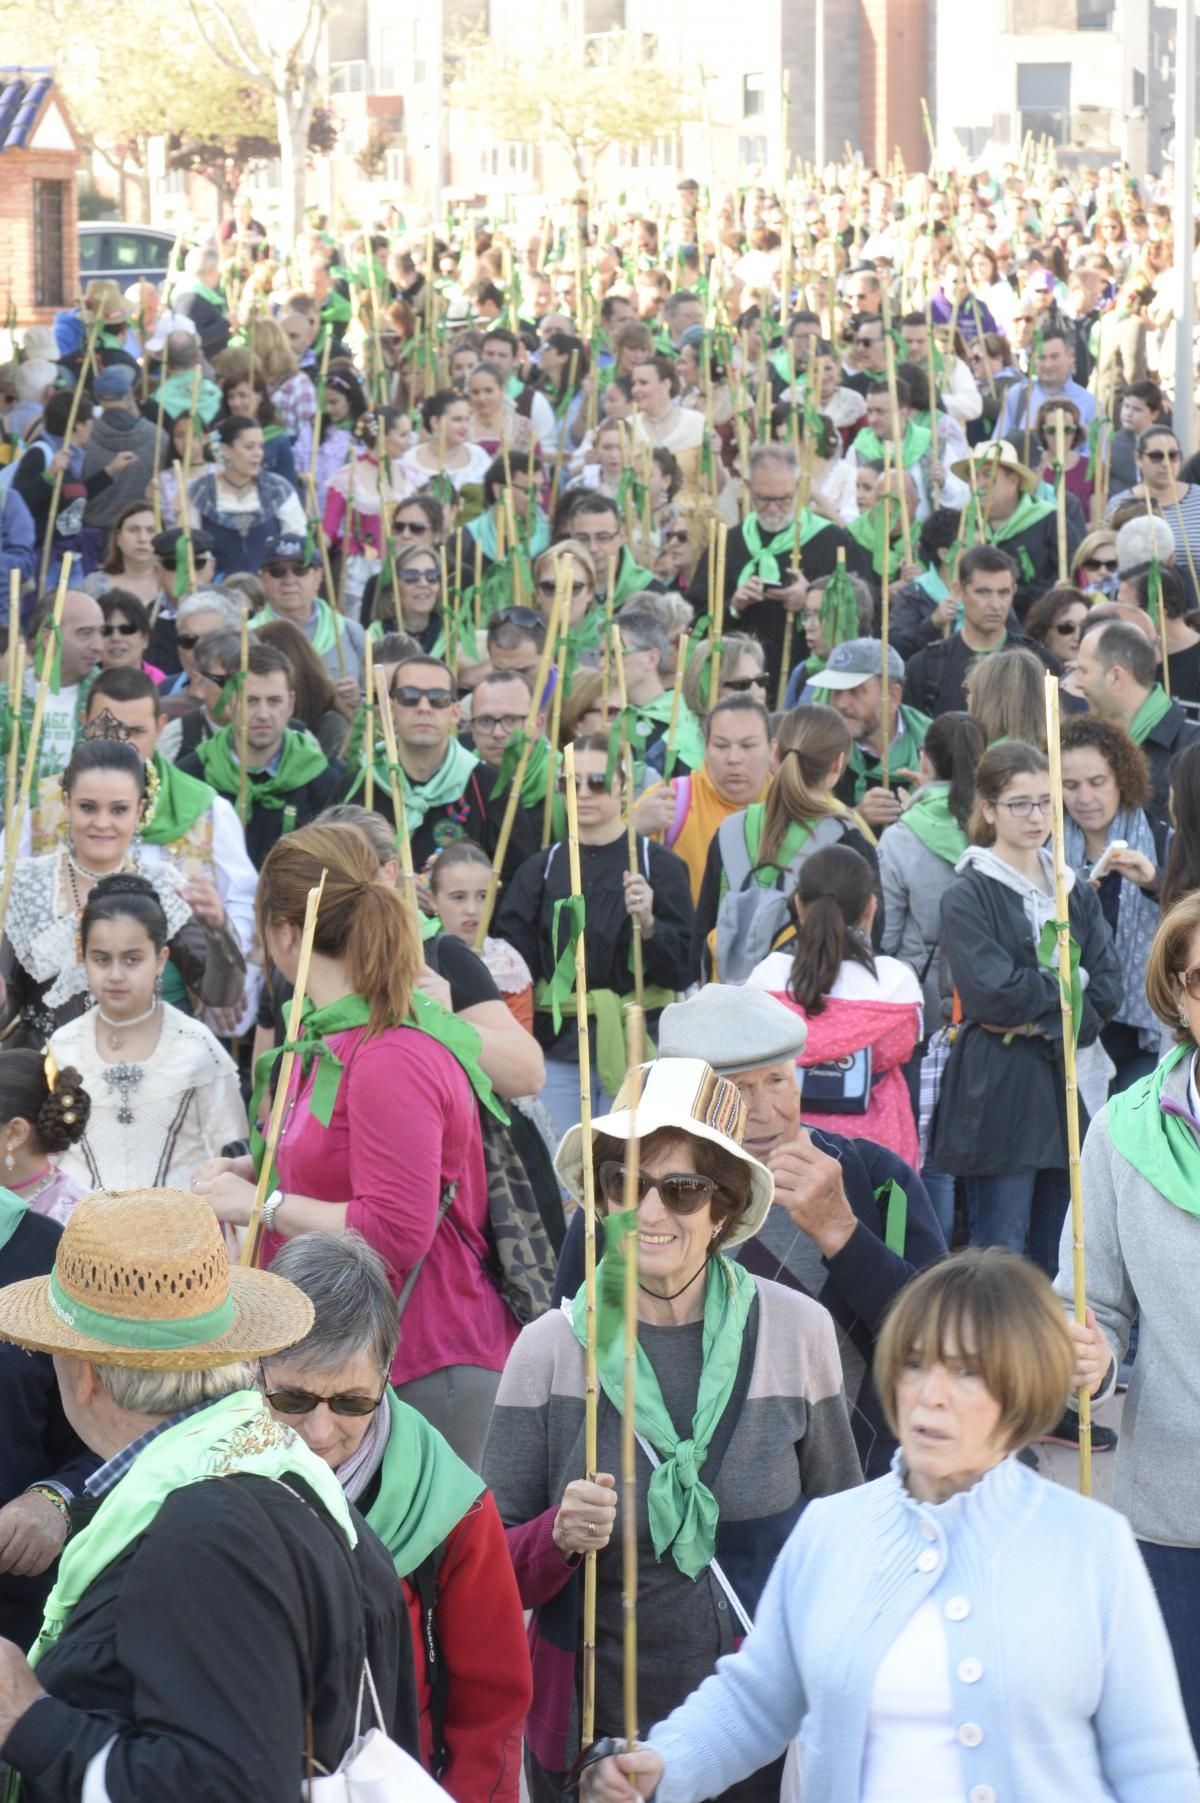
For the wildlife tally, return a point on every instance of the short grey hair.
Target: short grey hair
(220, 649)
(641, 631)
(775, 453)
(1140, 541)
(169, 1392)
(353, 1301)
(672, 612)
(209, 601)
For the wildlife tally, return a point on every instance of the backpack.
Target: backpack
(750, 916)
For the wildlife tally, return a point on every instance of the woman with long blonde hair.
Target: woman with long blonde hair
(374, 1044)
(1006, 693)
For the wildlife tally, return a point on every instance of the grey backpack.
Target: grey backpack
(751, 916)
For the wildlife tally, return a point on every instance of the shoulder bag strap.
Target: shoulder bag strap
(402, 1300)
(735, 1601)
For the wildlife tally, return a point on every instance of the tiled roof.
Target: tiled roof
(22, 93)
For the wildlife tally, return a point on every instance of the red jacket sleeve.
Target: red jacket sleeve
(482, 1631)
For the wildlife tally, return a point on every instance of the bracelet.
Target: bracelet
(52, 1496)
(269, 1210)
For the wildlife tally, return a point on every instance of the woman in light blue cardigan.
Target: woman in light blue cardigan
(960, 1631)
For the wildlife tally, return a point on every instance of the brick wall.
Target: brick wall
(19, 169)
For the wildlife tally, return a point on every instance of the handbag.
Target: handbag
(373, 1769)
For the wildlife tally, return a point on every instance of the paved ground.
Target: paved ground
(1062, 1465)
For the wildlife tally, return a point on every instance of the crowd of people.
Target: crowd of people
(671, 606)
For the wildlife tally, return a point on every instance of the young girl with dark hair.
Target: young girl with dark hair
(164, 1091)
(863, 1011)
(43, 1111)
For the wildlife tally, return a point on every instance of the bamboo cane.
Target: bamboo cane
(1060, 496)
(635, 1047)
(514, 792)
(560, 450)
(933, 399)
(15, 679)
(250, 1250)
(592, 1392)
(1054, 754)
(243, 720)
(885, 698)
(718, 612)
(684, 652)
(327, 574)
(618, 649)
(408, 880)
(1161, 611)
(56, 491)
(369, 722)
(898, 448)
(29, 767)
(563, 608)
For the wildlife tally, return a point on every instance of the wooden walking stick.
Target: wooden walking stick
(635, 1044)
(243, 721)
(369, 722)
(1157, 607)
(29, 767)
(592, 1392)
(72, 417)
(885, 698)
(1060, 494)
(518, 777)
(1054, 755)
(718, 612)
(266, 1170)
(626, 758)
(408, 878)
(327, 574)
(898, 447)
(562, 608)
(683, 654)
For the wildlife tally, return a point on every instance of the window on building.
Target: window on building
(754, 95)
(1044, 100)
(752, 151)
(1139, 88)
(49, 262)
(1095, 15)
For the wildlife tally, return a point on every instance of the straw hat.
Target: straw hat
(687, 1096)
(142, 1278)
(996, 451)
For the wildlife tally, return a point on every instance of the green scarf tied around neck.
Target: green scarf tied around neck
(764, 557)
(632, 578)
(179, 804)
(425, 1489)
(929, 819)
(682, 1509)
(324, 638)
(301, 760)
(867, 530)
(1161, 1146)
(540, 770)
(317, 1024)
(12, 1212)
(1027, 512)
(868, 447)
(1156, 704)
(444, 786)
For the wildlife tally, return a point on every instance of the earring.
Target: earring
(10, 1163)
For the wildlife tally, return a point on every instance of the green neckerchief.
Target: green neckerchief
(682, 1509)
(839, 615)
(12, 1212)
(234, 1435)
(1160, 1145)
(764, 558)
(425, 1489)
(213, 295)
(317, 1024)
(1027, 512)
(902, 753)
(537, 769)
(932, 585)
(324, 637)
(689, 739)
(179, 804)
(929, 818)
(556, 994)
(444, 786)
(1156, 704)
(867, 530)
(1047, 957)
(632, 578)
(300, 761)
(913, 446)
(483, 531)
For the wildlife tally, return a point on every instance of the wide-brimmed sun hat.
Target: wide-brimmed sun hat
(142, 1278)
(997, 453)
(686, 1096)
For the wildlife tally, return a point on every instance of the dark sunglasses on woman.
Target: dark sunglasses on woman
(303, 1402)
(126, 628)
(595, 782)
(683, 1192)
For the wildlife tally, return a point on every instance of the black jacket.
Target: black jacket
(933, 679)
(1002, 1106)
(1174, 732)
(766, 621)
(203, 1647)
(475, 815)
(36, 1443)
(265, 825)
(862, 1279)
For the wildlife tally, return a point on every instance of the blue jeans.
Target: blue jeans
(1023, 1210)
(561, 1094)
(1175, 1574)
(939, 1186)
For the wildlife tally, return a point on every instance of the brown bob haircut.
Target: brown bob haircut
(1000, 1311)
(731, 1175)
(1168, 962)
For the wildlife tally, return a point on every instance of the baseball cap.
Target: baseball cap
(289, 546)
(113, 384)
(855, 662)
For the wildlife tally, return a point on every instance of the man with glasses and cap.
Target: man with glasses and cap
(851, 1224)
(209, 1545)
(291, 578)
(175, 579)
(854, 677)
(865, 366)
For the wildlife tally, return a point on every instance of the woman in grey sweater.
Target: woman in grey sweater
(1141, 1188)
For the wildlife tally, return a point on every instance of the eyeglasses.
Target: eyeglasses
(1066, 627)
(741, 685)
(1102, 563)
(284, 569)
(1022, 806)
(1175, 456)
(766, 501)
(490, 723)
(1190, 980)
(412, 527)
(126, 629)
(518, 616)
(599, 538)
(683, 1192)
(550, 589)
(303, 1402)
(187, 641)
(676, 538)
(866, 339)
(410, 696)
(218, 678)
(595, 782)
(412, 577)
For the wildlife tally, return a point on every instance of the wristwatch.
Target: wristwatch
(268, 1209)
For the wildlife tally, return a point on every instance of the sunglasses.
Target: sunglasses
(1163, 456)
(411, 527)
(1190, 980)
(410, 696)
(412, 577)
(595, 782)
(1065, 627)
(126, 629)
(284, 569)
(303, 1402)
(741, 685)
(683, 1192)
(676, 538)
(866, 343)
(187, 641)
(1102, 563)
(550, 589)
(518, 616)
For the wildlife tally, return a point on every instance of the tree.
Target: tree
(224, 160)
(613, 97)
(274, 47)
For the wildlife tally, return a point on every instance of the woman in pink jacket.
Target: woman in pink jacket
(863, 1011)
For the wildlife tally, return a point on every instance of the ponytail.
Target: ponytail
(954, 745)
(361, 920)
(831, 897)
(808, 744)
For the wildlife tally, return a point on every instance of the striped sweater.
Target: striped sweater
(784, 1437)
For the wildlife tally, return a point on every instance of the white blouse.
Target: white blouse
(911, 1755)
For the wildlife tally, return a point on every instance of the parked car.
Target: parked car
(110, 250)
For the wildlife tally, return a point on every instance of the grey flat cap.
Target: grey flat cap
(732, 1028)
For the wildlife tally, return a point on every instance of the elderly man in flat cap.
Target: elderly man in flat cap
(852, 1222)
(217, 1596)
